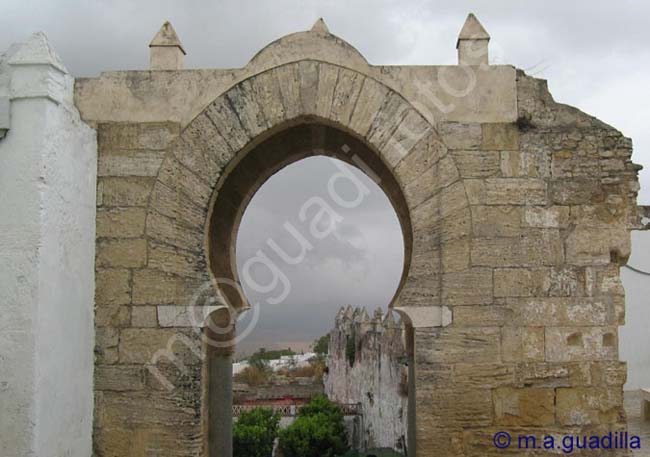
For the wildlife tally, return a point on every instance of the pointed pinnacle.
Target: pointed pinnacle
(37, 50)
(473, 30)
(167, 36)
(320, 26)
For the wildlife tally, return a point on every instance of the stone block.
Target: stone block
(482, 315)
(112, 287)
(458, 345)
(460, 136)
(222, 113)
(576, 191)
(477, 164)
(595, 245)
(144, 316)
(612, 373)
(521, 282)
(124, 191)
(515, 191)
(536, 374)
(524, 407)
(246, 107)
(119, 378)
(514, 164)
(522, 344)
(558, 311)
(130, 163)
(454, 407)
(166, 230)
(467, 288)
(126, 253)
(546, 216)
(496, 221)
(576, 344)
(120, 136)
(370, 101)
(543, 247)
(482, 375)
(176, 205)
(428, 151)
(455, 256)
(139, 345)
(500, 136)
(120, 222)
(346, 94)
(589, 405)
(155, 287)
(176, 261)
(112, 316)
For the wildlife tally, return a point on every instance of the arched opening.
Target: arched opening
(355, 172)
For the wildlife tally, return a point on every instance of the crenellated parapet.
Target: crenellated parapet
(366, 366)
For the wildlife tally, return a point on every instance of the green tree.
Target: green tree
(321, 345)
(319, 431)
(254, 433)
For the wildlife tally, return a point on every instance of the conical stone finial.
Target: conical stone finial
(320, 26)
(166, 49)
(37, 51)
(472, 43)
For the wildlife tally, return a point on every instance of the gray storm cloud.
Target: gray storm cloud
(594, 54)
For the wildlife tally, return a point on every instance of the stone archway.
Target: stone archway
(210, 173)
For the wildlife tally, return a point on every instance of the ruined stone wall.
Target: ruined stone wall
(519, 213)
(533, 343)
(366, 365)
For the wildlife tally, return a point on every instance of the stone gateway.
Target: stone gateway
(516, 214)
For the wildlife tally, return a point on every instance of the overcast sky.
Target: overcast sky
(595, 55)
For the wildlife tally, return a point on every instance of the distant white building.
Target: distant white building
(284, 362)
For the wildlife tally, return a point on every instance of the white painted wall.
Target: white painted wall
(635, 334)
(47, 231)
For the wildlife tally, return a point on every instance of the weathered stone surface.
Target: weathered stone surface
(522, 344)
(144, 316)
(123, 136)
(123, 191)
(500, 137)
(175, 261)
(112, 316)
(506, 191)
(119, 378)
(527, 407)
(131, 163)
(586, 406)
(120, 223)
(543, 247)
(482, 375)
(477, 164)
(112, 287)
(465, 288)
(155, 287)
(127, 253)
(458, 345)
(482, 315)
(454, 408)
(496, 221)
(461, 136)
(566, 344)
(138, 345)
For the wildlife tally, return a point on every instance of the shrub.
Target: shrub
(319, 431)
(254, 433)
(253, 376)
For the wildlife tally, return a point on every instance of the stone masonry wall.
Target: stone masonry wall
(533, 344)
(366, 365)
(520, 211)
